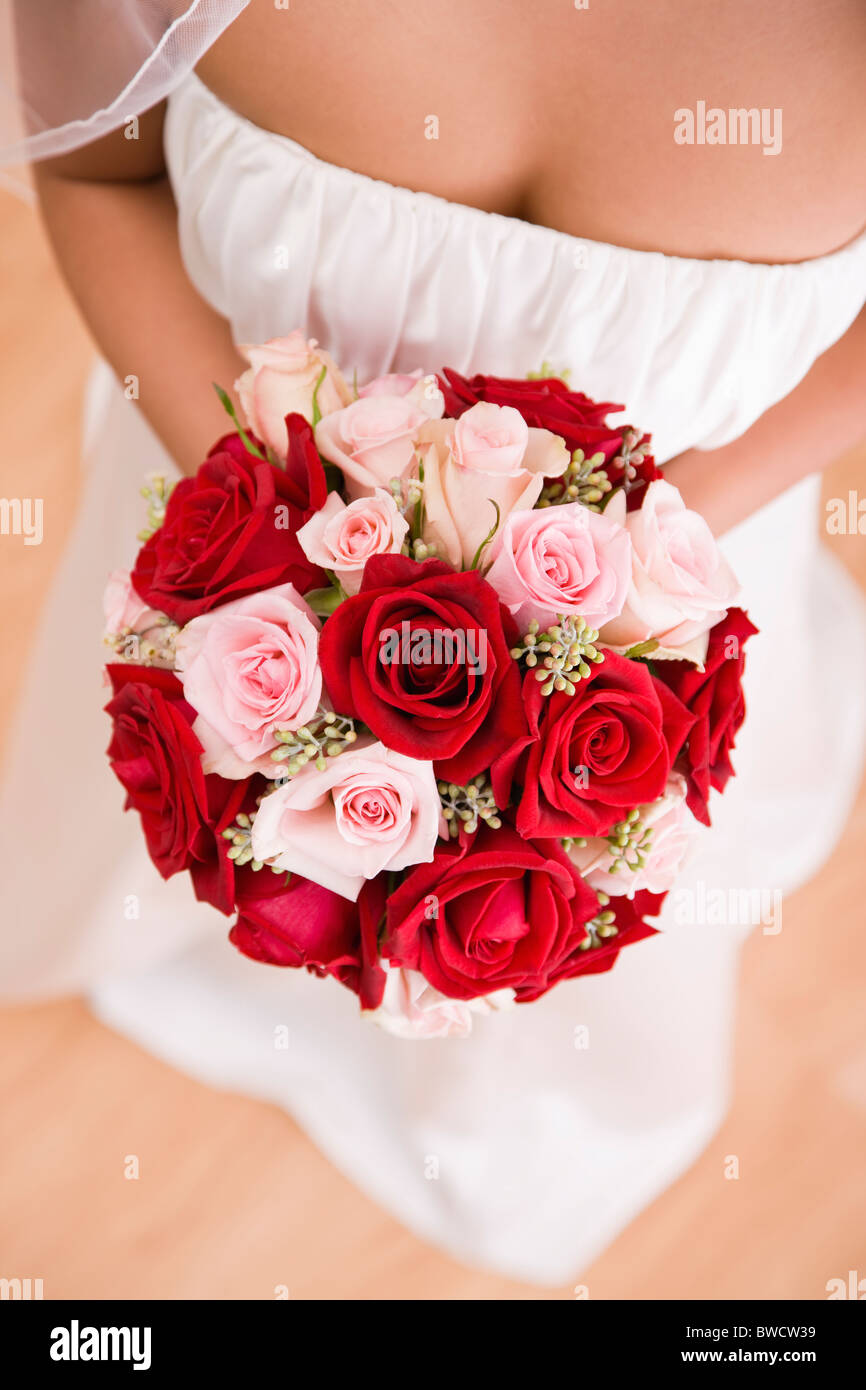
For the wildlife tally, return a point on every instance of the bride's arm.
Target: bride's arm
(822, 418)
(113, 224)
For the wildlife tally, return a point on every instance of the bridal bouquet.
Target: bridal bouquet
(424, 682)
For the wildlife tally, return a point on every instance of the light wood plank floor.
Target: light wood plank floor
(203, 1221)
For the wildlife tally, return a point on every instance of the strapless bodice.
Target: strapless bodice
(389, 279)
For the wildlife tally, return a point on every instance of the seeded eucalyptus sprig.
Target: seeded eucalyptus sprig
(408, 498)
(630, 456)
(325, 736)
(241, 851)
(156, 491)
(564, 654)
(629, 842)
(584, 480)
(546, 371)
(240, 834)
(154, 647)
(602, 927)
(466, 806)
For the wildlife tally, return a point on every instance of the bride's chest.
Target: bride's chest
(695, 129)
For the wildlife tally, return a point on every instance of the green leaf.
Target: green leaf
(333, 477)
(324, 602)
(228, 407)
(641, 649)
(317, 414)
(416, 530)
(489, 537)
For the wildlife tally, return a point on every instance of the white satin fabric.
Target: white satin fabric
(528, 1146)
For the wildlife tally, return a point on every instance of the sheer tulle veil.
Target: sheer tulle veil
(73, 70)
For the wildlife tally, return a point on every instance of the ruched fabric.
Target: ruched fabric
(390, 279)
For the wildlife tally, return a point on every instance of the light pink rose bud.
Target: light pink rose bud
(372, 440)
(491, 439)
(342, 538)
(412, 1008)
(124, 610)
(249, 668)
(462, 501)
(681, 585)
(563, 559)
(282, 378)
(422, 389)
(672, 826)
(371, 809)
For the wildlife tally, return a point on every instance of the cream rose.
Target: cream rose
(487, 456)
(282, 378)
(372, 440)
(248, 668)
(342, 538)
(423, 390)
(681, 584)
(370, 809)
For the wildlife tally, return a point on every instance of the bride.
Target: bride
(487, 186)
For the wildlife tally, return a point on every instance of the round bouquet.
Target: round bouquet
(424, 683)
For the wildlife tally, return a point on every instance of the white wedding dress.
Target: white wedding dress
(527, 1147)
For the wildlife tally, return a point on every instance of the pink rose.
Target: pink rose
(467, 472)
(372, 440)
(563, 559)
(681, 583)
(412, 1008)
(282, 378)
(342, 538)
(423, 390)
(136, 632)
(670, 826)
(491, 439)
(124, 610)
(248, 668)
(371, 809)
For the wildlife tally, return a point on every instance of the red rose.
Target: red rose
(390, 657)
(492, 911)
(592, 755)
(224, 536)
(299, 923)
(629, 915)
(157, 757)
(715, 699)
(545, 403)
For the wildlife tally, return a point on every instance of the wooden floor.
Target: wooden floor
(232, 1200)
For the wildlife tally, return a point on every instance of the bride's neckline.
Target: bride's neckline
(434, 202)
